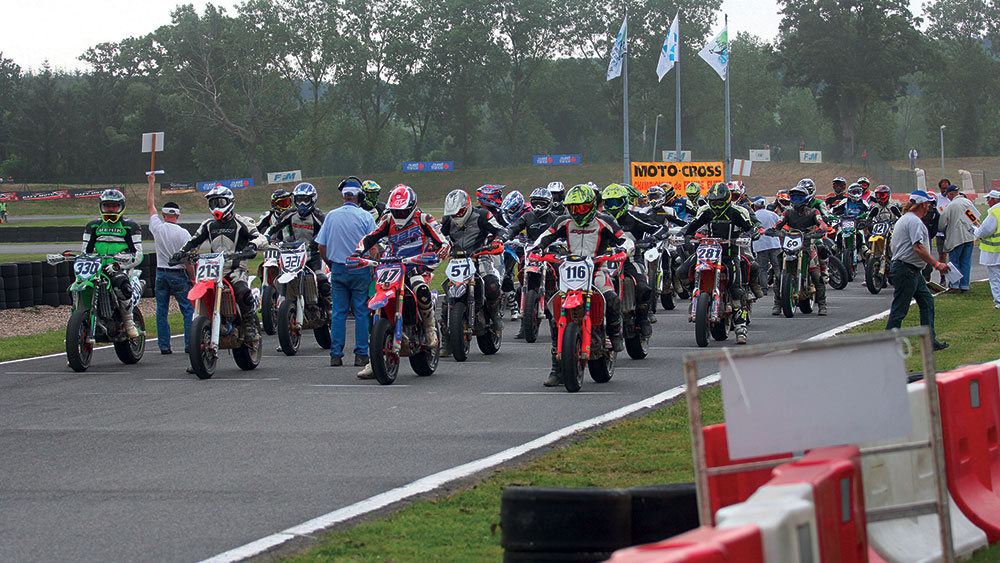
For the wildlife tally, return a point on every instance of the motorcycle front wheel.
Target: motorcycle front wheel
(837, 272)
(701, 322)
(458, 321)
(489, 341)
(269, 310)
(203, 359)
(529, 319)
(289, 333)
(786, 295)
(247, 356)
(571, 364)
(848, 263)
(78, 351)
(667, 300)
(130, 351)
(873, 275)
(385, 362)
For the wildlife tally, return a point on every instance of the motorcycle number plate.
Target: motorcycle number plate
(293, 261)
(880, 229)
(87, 267)
(271, 254)
(848, 223)
(652, 255)
(209, 268)
(575, 274)
(791, 244)
(460, 270)
(388, 275)
(710, 253)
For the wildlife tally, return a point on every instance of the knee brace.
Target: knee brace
(423, 294)
(492, 287)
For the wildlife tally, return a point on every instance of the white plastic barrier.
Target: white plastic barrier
(786, 517)
(907, 477)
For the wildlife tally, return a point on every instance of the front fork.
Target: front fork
(217, 317)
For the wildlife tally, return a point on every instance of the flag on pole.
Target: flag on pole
(716, 53)
(618, 51)
(670, 50)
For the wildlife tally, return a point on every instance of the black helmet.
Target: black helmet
(718, 198)
(839, 185)
(281, 200)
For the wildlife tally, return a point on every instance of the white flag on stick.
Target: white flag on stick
(618, 52)
(670, 51)
(716, 53)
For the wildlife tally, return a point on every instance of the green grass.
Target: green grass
(22, 257)
(54, 341)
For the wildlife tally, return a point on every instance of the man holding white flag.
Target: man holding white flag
(669, 52)
(716, 53)
(618, 51)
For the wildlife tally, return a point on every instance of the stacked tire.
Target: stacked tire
(11, 286)
(50, 285)
(148, 267)
(64, 278)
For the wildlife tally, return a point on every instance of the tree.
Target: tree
(850, 53)
(10, 81)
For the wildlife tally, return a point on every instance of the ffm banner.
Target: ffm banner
(811, 157)
(555, 159)
(671, 156)
(760, 155)
(282, 177)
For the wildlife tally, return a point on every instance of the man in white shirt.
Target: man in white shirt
(989, 244)
(168, 238)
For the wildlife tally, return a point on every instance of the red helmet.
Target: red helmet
(402, 204)
(882, 194)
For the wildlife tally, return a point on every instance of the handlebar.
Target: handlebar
(560, 258)
(428, 259)
(192, 257)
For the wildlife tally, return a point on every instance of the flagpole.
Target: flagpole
(677, 69)
(729, 148)
(625, 97)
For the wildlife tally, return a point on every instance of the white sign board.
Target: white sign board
(811, 399)
(741, 167)
(760, 155)
(671, 156)
(281, 177)
(147, 141)
(811, 157)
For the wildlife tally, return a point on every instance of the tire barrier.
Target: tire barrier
(905, 477)
(29, 284)
(67, 234)
(662, 511)
(731, 488)
(703, 545)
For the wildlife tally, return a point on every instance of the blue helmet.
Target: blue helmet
(513, 206)
(304, 198)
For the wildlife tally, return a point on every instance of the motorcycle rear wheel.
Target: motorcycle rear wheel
(425, 362)
(78, 352)
(571, 364)
(603, 368)
(323, 337)
(720, 330)
(203, 360)
(667, 300)
(786, 298)
(130, 351)
(269, 309)
(385, 363)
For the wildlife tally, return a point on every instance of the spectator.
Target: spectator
(3, 212)
(777, 151)
(989, 244)
(768, 249)
(342, 230)
(864, 159)
(913, 158)
(942, 202)
(910, 251)
(168, 238)
(802, 145)
(959, 222)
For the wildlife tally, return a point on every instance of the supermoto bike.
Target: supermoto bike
(636, 344)
(877, 266)
(300, 305)
(669, 255)
(796, 286)
(95, 317)
(846, 239)
(217, 323)
(581, 341)
(398, 329)
(712, 308)
(268, 271)
(464, 311)
(533, 300)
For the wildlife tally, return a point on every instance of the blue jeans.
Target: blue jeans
(961, 256)
(167, 284)
(349, 291)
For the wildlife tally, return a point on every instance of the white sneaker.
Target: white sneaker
(515, 314)
(366, 372)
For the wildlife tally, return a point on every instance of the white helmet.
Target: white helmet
(458, 206)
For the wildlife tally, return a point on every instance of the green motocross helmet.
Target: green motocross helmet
(581, 203)
(692, 190)
(616, 199)
(371, 190)
(718, 198)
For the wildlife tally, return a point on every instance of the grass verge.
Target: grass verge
(54, 341)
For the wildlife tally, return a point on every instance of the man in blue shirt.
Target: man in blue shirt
(342, 230)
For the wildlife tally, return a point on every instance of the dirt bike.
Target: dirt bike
(877, 267)
(796, 285)
(835, 269)
(665, 283)
(846, 239)
(712, 308)
(95, 317)
(533, 300)
(398, 329)
(268, 272)
(464, 311)
(217, 323)
(636, 345)
(300, 305)
(581, 341)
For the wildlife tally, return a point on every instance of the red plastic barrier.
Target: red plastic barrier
(731, 488)
(874, 557)
(702, 545)
(835, 477)
(970, 418)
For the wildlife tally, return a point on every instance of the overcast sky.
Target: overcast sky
(32, 31)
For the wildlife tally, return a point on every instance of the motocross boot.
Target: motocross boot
(741, 334)
(652, 315)
(555, 378)
(249, 322)
(430, 326)
(755, 287)
(820, 293)
(444, 336)
(776, 310)
(127, 324)
(642, 315)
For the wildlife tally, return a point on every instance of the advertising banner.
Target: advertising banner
(231, 184)
(8, 196)
(430, 166)
(177, 188)
(38, 196)
(760, 155)
(282, 177)
(84, 193)
(811, 157)
(555, 159)
(646, 174)
(671, 156)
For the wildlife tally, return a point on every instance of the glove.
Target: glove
(771, 232)
(176, 259)
(249, 252)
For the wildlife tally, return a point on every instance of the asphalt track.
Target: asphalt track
(148, 463)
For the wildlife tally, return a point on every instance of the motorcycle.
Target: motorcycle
(877, 267)
(712, 308)
(533, 300)
(268, 272)
(95, 316)
(398, 330)
(636, 345)
(796, 286)
(464, 310)
(300, 305)
(835, 269)
(581, 340)
(846, 238)
(669, 256)
(217, 323)
(514, 249)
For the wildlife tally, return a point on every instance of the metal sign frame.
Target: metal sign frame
(938, 506)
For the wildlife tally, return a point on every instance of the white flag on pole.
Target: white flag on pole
(670, 51)
(716, 53)
(618, 52)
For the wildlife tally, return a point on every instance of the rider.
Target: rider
(802, 217)
(301, 225)
(511, 209)
(114, 236)
(533, 224)
(694, 199)
(228, 232)
(558, 191)
(724, 221)
(853, 206)
(410, 232)
(839, 192)
(863, 181)
(468, 229)
(881, 206)
(781, 201)
(281, 201)
(661, 199)
(370, 203)
(588, 233)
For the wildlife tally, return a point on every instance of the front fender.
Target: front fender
(200, 289)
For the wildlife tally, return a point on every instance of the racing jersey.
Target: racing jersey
(377, 210)
(267, 220)
(597, 237)
(662, 215)
(889, 212)
(422, 234)
(532, 223)
(235, 234)
(727, 226)
(474, 232)
(848, 208)
(106, 239)
(805, 220)
(292, 227)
